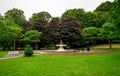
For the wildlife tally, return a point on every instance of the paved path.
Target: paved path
(21, 53)
(10, 56)
(15, 54)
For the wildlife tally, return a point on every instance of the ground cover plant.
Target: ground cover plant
(63, 65)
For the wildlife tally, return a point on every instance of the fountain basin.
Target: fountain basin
(61, 45)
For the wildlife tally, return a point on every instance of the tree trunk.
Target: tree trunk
(110, 43)
(14, 44)
(35, 45)
(92, 43)
(4, 48)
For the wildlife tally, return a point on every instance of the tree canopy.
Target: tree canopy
(32, 36)
(77, 13)
(76, 27)
(15, 15)
(70, 32)
(90, 34)
(104, 7)
(39, 15)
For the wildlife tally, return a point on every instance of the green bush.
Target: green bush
(28, 50)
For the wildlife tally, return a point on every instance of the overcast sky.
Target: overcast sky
(54, 7)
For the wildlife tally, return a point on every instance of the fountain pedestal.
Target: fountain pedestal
(61, 46)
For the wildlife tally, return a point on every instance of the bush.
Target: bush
(28, 50)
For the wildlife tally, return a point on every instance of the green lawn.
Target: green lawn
(3, 53)
(63, 65)
(107, 46)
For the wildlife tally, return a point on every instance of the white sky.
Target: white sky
(54, 7)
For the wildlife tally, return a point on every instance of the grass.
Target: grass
(3, 53)
(107, 46)
(63, 65)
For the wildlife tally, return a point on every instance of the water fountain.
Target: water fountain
(61, 46)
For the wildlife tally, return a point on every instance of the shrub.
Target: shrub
(28, 50)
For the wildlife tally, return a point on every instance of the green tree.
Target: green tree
(32, 36)
(90, 19)
(90, 34)
(15, 15)
(109, 32)
(77, 13)
(104, 7)
(115, 14)
(4, 36)
(14, 33)
(95, 19)
(101, 18)
(40, 15)
(2, 27)
(9, 33)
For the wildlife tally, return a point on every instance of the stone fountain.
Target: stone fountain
(61, 46)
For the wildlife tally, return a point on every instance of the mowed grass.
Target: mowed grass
(3, 53)
(107, 46)
(63, 65)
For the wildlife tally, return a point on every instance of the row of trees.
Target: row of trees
(67, 29)
(21, 32)
(76, 27)
(107, 33)
(109, 29)
(11, 31)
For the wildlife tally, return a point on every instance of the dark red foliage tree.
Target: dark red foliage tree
(70, 32)
(41, 25)
(26, 26)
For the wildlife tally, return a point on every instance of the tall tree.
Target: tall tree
(104, 7)
(14, 33)
(114, 18)
(3, 32)
(77, 13)
(10, 32)
(96, 19)
(41, 26)
(115, 14)
(109, 32)
(90, 34)
(15, 15)
(90, 19)
(26, 26)
(52, 29)
(40, 15)
(32, 36)
(5, 40)
(70, 32)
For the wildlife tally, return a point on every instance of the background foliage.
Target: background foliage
(76, 27)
